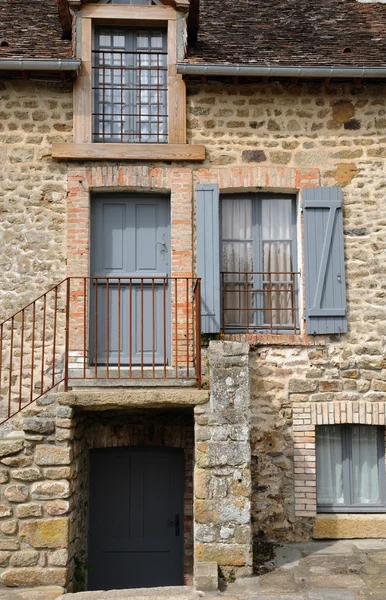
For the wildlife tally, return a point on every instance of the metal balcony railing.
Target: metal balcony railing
(96, 328)
(258, 301)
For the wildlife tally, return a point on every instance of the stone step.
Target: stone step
(160, 593)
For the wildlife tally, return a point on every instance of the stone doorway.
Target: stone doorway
(128, 429)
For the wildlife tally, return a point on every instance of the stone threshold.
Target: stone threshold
(159, 593)
(102, 399)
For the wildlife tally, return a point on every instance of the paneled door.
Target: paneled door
(136, 535)
(130, 316)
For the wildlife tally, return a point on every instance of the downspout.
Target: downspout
(237, 70)
(18, 64)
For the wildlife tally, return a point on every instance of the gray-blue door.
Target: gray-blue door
(136, 518)
(130, 238)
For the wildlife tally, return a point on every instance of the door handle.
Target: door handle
(176, 524)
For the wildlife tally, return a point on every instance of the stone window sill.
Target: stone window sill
(184, 152)
(348, 526)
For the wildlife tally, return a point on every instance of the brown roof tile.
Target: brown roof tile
(32, 29)
(291, 32)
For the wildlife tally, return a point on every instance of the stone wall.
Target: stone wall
(36, 499)
(33, 189)
(222, 476)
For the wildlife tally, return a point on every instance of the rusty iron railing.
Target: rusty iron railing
(260, 301)
(97, 328)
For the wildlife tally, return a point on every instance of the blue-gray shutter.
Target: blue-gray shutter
(208, 255)
(326, 311)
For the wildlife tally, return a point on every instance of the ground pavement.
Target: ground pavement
(343, 570)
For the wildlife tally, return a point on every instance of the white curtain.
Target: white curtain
(276, 236)
(329, 465)
(239, 235)
(237, 260)
(365, 464)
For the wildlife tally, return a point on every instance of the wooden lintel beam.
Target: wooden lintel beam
(128, 151)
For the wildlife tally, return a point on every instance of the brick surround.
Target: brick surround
(82, 181)
(305, 418)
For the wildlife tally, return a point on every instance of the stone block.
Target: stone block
(29, 510)
(349, 526)
(9, 527)
(28, 474)
(49, 455)
(4, 558)
(45, 533)
(25, 558)
(18, 461)
(57, 507)
(58, 472)
(40, 425)
(16, 493)
(302, 385)
(5, 511)
(206, 576)
(58, 558)
(232, 555)
(48, 490)
(9, 544)
(47, 592)
(8, 447)
(201, 483)
(4, 475)
(33, 576)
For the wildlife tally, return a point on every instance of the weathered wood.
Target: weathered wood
(128, 151)
(83, 89)
(129, 12)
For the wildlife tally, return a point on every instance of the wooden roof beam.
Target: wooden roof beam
(65, 19)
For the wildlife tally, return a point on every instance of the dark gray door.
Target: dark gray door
(130, 237)
(136, 518)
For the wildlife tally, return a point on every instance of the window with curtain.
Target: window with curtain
(258, 245)
(130, 85)
(350, 468)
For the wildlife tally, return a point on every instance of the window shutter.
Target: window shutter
(208, 255)
(324, 261)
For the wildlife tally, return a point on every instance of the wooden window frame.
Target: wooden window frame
(348, 506)
(83, 146)
(257, 251)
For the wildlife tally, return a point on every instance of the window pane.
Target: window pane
(130, 82)
(329, 465)
(276, 226)
(237, 260)
(365, 464)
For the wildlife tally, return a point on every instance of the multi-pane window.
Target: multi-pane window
(350, 468)
(130, 85)
(259, 280)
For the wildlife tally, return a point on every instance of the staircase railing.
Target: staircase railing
(91, 328)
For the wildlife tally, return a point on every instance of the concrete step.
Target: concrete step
(161, 593)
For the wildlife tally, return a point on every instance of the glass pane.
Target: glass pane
(365, 466)
(276, 218)
(329, 465)
(277, 261)
(237, 260)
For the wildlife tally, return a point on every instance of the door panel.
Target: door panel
(135, 495)
(130, 238)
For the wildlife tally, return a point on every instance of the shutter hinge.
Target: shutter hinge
(301, 208)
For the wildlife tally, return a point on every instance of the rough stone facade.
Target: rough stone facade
(254, 463)
(33, 189)
(222, 476)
